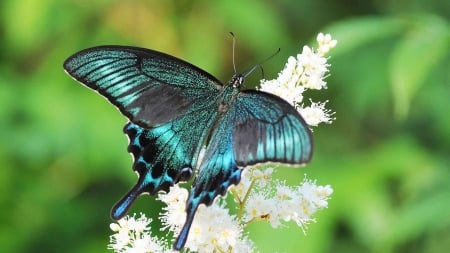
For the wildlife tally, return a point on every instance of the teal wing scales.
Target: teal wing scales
(149, 87)
(217, 172)
(267, 128)
(164, 155)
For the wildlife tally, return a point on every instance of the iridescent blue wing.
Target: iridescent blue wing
(149, 87)
(217, 171)
(171, 105)
(166, 154)
(267, 128)
(258, 127)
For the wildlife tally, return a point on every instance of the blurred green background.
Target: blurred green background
(63, 155)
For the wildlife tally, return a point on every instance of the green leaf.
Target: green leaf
(414, 57)
(354, 33)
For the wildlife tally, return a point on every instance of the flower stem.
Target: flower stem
(242, 202)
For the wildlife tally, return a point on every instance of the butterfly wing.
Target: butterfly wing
(217, 171)
(149, 87)
(258, 127)
(168, 101)
(267, 128)
(166, 154)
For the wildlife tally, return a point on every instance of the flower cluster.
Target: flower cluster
(259, 197)
(134, 235)
(214, 229)
(274, 201)
(306, 71)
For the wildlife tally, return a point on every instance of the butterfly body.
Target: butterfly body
(175, 110)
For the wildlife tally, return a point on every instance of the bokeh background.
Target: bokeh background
(63, 159)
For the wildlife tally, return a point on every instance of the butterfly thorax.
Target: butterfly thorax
(229, 92)
(236, 81)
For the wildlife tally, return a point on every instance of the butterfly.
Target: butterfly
(175, 110)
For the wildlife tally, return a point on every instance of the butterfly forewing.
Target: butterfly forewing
(149, 87)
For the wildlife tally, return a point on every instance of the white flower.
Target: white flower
(325, 43)
(314, 69)
(261, 176)
(277, 202)
(213, 228)
(307, 70)
(317, 195)
(316, 114)
(174, 214)
(258, 206)
(134, 235)
(287, 85)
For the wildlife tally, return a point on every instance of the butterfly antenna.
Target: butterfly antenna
(259, 65)
(234, 46)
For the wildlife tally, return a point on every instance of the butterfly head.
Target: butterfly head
(236, 81)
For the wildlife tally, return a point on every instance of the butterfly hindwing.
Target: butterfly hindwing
(166, 154)
(267, 128)
(149, 87)
(217, 172)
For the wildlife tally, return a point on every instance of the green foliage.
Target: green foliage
(63, 156)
